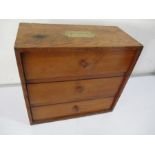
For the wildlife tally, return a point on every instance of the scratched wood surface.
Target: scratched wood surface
(64, 64)
(53, 35)
(68, 91)
(70, 71)
(71, 109)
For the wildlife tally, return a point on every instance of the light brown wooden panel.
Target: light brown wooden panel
(71, 109)
(53, 35)
(46, 54)
(61, 92)
(70, 65)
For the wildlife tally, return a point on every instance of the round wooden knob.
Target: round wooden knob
(84, 63)
(76, 108)
(79, 89)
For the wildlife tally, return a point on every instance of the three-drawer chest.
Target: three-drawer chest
(69, 71)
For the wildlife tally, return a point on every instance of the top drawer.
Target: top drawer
(55, 65)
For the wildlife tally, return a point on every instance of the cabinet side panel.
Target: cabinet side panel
(23, 83)
(126, 77)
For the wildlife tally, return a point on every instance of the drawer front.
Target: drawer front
(71, 109)
(55, 66)
(70, 91)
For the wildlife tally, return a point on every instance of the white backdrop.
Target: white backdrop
(142, 30)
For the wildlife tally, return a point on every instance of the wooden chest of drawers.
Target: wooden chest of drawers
(73, 70)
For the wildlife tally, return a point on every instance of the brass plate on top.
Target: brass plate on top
(85, 34)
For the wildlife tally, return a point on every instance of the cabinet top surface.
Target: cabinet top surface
(56, 35)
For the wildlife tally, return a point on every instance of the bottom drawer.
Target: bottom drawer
(71, 109)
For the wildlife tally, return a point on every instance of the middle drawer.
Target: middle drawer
(70, 91)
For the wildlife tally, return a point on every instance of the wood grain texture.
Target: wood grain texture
(62, 92)
(69, 109)
(52, 35)
(74, 64)
(71, 76)
(127, 76)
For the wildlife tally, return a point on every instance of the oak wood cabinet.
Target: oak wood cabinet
(73, 70)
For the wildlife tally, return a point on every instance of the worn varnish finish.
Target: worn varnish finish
(47, 36)
(73, 108)
(73, 70)
(68, 91)
(75, 64)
